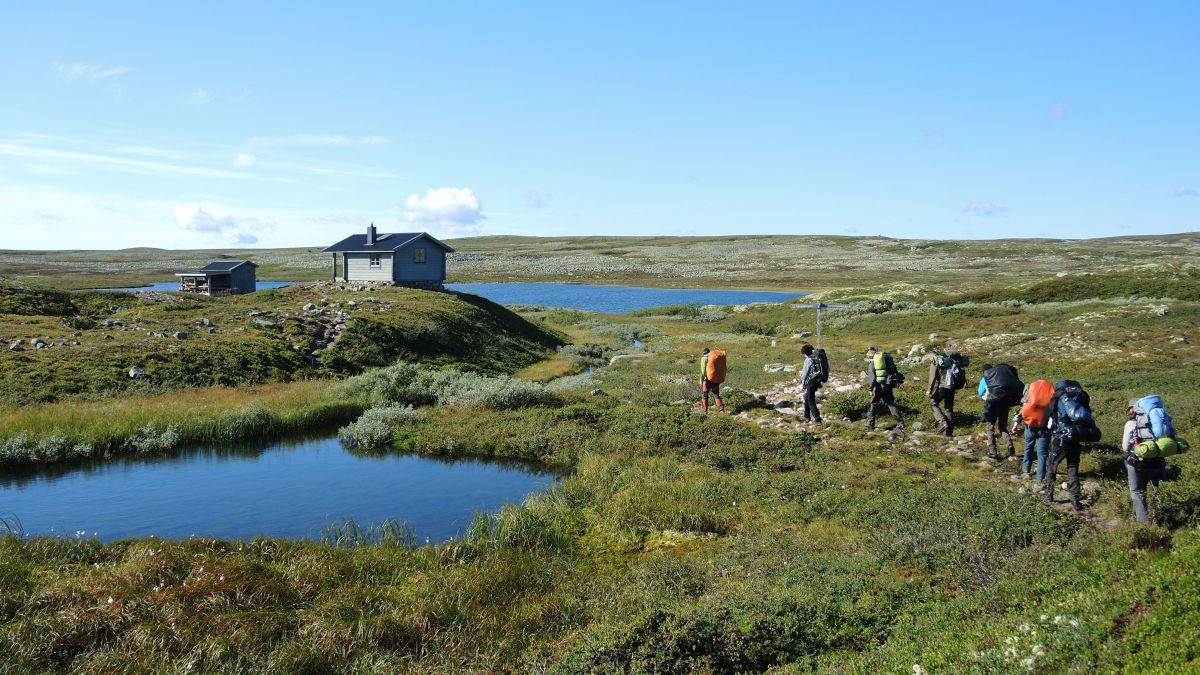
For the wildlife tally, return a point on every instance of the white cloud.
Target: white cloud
(447, 206)
(340, 140)
(87, 71)
(1185, 191)
(243, 160)
(74, 159)
(985, 209)
(218, 225)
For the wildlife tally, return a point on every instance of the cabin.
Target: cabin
(413, 259)
(223, 277)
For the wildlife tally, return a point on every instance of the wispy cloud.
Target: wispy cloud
(243, 160)
(87, 71)
(451, 207)
(537, 200)
(221, 226)
(73, 159)
(336, 140)
(1185, 191)
(985, 209)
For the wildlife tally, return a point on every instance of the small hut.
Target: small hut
(223, 277)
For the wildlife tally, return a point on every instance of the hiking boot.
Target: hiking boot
(993, 456)
(1077, 504)
(899, 427)
(871, 427)
(1031, 475)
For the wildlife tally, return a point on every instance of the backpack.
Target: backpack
(819, 373)
(1037, 397)
(954, 374)
(1154, 433)
(1073, 419)
(1003, 385)
(1151, 419)
(715, 371)
(886, 373)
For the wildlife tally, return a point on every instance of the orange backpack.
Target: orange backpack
(1036, 399)
(715, 370)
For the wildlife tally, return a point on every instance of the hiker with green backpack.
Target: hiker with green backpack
(883, 377)
(947, 374)
(1148, 439)
(813, 374)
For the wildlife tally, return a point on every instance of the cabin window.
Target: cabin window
(375, 263)
(418, 255)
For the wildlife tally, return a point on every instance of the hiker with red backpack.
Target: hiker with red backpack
(1148, 439)
(712, 374)
(1071, 425)
(1032, 415)
(1000, 389)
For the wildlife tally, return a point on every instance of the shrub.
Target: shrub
(375, 427)
(684, 311)
(409, 384)
(748, 327)
(151, 440)
(628, 334)
(22, 448)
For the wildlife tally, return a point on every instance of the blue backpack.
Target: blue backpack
(1151, 419)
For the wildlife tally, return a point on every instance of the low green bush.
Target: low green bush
(376, 426)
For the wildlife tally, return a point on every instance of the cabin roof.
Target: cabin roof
(216, 267)
(384, 241)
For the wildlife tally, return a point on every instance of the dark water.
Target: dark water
(291, 489)
(612, 299)
(174, 286)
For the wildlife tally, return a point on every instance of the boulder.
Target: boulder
(351, 303)
(137, 371)
(203, 322)
(308, 307)
(15, 346)
(783, 404)
(264, 323)
(179, 335)
(779, 368)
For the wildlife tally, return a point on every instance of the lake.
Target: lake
(174, 286)
(291, 489)
(612, 299)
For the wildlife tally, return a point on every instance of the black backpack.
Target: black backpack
(1073, 419)
(894, 378)
(819, 374)
(1003, 385)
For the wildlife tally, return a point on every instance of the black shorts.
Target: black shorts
(710, 387)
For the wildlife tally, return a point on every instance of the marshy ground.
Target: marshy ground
(677, 542)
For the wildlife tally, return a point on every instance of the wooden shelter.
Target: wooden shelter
(223, 277)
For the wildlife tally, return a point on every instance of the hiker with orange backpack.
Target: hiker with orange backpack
(712, 374)
(1032, 415)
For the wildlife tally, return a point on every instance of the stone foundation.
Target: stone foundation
(423, 285)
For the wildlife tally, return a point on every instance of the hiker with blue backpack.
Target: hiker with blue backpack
(1032, 415)
(1071, 425)
(947, 374)
(1148, 439)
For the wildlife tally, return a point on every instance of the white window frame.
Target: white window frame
(419, 255)
(375, 262)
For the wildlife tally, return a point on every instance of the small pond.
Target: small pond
(174, 286)
(290, 489)
(612, 299)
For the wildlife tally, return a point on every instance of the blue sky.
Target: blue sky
(186, 125)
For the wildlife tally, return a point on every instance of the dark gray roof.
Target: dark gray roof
(225, 265)
(383, 242)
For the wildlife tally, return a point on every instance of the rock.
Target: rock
(783, 404)
(351, 303)
(308, 307)
(254, 313)
(39, 343)
(264, 323)
(774, 343)
(1161, 310)
(373, 299)
(933, 336)
(15, 346)
(1177, 339)
(917, 426)
(179, 335)
(917, 350)
(806, 334)
(597, 392)
(108, 337)
(77, 333)
(212, 330)
(779, 368)
(203, 322)
(137, 371)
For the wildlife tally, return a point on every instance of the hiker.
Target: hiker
(712, 374)
(947, 374)
(1071, 425)
(1032, 416)
(1000, 389)
(1148, 439)
(883, 377)
(813, 374)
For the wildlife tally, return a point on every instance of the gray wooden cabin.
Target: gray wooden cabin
(406, 258)
(223, 277)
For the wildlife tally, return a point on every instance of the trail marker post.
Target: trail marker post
(819, 306)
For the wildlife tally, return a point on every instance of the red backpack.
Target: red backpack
(1037, 397)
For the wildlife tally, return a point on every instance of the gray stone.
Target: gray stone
(179, 335)
(108, 337)
(597, 392)
(15, 346)
(77, 334)
(264, 323)
(917, 426)
(308, 307)
(784, 404)
(203, 322)
(1161, 310)
(137, 371)
(351, 303)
